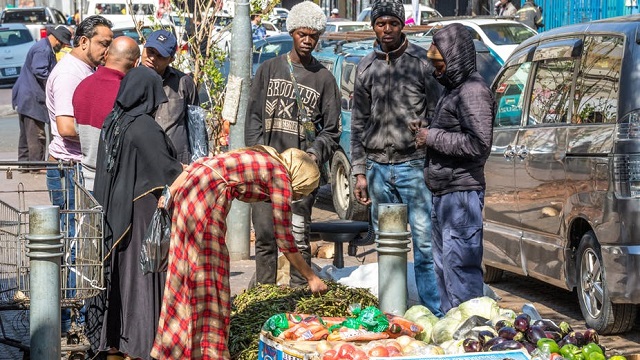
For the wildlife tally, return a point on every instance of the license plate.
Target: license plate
(10, 71)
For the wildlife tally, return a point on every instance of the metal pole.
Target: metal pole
(45, 253)
(392, 239)
(240, 66)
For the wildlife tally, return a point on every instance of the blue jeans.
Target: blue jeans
(404, 183)
(457, 246)
(62, 193)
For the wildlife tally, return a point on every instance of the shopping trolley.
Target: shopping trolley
(82, 229)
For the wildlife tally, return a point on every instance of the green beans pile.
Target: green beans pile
(253, 307)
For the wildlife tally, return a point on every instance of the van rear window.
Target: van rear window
(25, 17)
(14, 37)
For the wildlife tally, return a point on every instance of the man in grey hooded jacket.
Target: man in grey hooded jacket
(393, 86)
(458, 143)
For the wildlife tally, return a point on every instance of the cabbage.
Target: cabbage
(505, 314)
(443, 330)
(416, 311)
(484, 306)
(453, 347)
(427, 327)
(455, 313)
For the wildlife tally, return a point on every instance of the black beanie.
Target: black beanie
(387, 8)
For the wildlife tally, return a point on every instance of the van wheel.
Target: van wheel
(342, 186)
(491, 274)
(597, 309)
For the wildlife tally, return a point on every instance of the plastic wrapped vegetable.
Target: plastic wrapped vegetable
(444, 329)
(427, 324)
(484, 306)
(416, 311)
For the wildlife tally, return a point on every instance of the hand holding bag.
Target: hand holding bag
(154, 254)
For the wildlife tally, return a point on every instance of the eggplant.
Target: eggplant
(489, 343)
(591, 336)
(565, 328)
(522, 322)
(471, 345)
(529, 346)
(502, 323)
(556, 336)
(507, 332)
(580, 338)
(535, 333)
(575, 338)
(506, 345)
(547, 325)
(484, 336)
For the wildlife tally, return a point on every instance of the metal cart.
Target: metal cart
(85, 240)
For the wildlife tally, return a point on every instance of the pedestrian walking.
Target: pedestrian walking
(393, 86)
(294, 103)
(28, 93)
(196, 308)
(458, 143)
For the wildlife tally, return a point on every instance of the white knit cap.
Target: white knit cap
(306, 15)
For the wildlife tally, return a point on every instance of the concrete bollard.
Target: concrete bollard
(45, 254)
(392, 238)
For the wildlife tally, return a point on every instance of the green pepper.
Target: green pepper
(596, 356)
(569, 351)
(617, 357)
(548, 345)
(590, 348)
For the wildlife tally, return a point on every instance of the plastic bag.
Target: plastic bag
(197, 129)
(155, 245)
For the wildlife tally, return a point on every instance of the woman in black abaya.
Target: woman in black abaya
(136, 159)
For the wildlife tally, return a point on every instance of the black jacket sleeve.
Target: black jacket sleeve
(254, 124)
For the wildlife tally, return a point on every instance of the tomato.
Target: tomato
(359, 354)
(555, 356)
(395, 344)
(346, 351)
(329, 355)
(378, 351)
(393, 351)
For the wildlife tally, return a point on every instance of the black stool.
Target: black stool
(341, 231)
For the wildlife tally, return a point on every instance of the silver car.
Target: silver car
(562, 202)
(15, 42)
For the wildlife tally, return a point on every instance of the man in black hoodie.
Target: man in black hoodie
(393, 86)
(294, 103)
(458, 143)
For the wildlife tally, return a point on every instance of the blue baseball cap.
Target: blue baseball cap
(163, 41)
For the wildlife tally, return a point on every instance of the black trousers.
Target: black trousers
(33, 139)
(266, 248)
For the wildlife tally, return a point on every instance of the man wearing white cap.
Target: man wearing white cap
(335, 13)
(294, 103)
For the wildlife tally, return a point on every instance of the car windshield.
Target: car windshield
(25, 16)
(222, 21)
(133, 33)
(345, 28)
(10, 37)
(507, 34)
(271, 50)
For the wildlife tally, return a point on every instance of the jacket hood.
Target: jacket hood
(456, 46)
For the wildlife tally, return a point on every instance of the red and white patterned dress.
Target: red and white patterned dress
(194, 320)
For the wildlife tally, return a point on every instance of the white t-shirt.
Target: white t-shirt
(62, 82)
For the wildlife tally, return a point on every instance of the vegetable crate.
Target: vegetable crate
(271, 348)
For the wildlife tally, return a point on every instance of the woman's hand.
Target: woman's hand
(316, 285)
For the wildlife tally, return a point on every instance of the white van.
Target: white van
(424, 15)
(122, 10)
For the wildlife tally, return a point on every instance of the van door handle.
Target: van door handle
(522, 152)
(509, 153)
